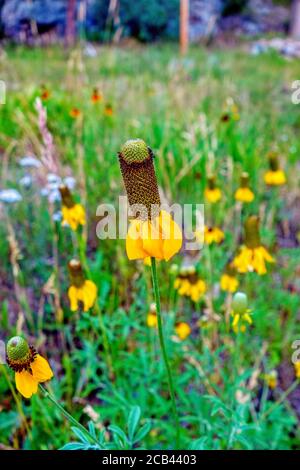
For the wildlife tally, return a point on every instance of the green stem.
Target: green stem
(67, 415)
(163, 348)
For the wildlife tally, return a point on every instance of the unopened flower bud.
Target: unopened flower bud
(239, 303)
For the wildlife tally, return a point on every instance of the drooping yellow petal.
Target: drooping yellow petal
(26, 384)
(152, 239)
(72, 294)
(134, 244)
(41, 370)
(89, 291)
(244, 195)
(171, 235)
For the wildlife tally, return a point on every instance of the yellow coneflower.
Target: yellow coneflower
(297, 369)
(183, 330)
(30, 368)
(271, 379)
(81, 289)
(108, 110)
(212, 193)
(213, 235)
(153, 233)
(229, 281)
(253, 256)
(244, 193)
(45, 93)
(75, 113)
(152, 316)
(73, 213)
(231, 111)
(189, 284)
(96, 96)
(240, 312)
(274, 176)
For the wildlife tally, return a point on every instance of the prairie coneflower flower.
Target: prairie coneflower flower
(189, 284)
(30, 368)
(153, 233)
(75, 113)
(229, 281)
(96, 96)
(183, 330)
(73, 213)
(271, 379)
(244, 193)
(274, 176)
(212, 193)
(240, 312)
(108, 110)
(253, 255)
(81, 289)
(213, 235)
(45, 93)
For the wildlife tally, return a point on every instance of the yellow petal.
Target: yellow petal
(72, 294)
(26, 384)
(152, 240)
(41, 370)
(171, 235)
(89, 295)
(134, 244)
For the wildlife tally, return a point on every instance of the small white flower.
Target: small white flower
(10, 195)
(30, 162)
(70, 182)
(54, 196)
(52, 178)
(44, 192)
(57, 216)
(26, 181)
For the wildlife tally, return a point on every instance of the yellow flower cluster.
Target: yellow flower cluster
(189, 284)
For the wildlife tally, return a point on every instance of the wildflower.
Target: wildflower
(252, 256)
(26, 181)
(96, 96)
(229, 282)
(81, 289)
(108, 110)
(73, 214)
(189, 284)
(45, 93)
(75, 113)
(271, 379)
(30, 368)
(183, 330)
(297, 369)
(10, 196)
(213, 235)
(274, 176)
(212, 193)
(152, 233)
(152, 316)
(70, 182)
(30, 162)
(244, 193)
(231, 111)
(240, 312)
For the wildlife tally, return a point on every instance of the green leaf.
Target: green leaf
(81, 436)
(119, 432)
(133, 420)
(142, 432)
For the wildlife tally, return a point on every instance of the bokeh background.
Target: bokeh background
(209, 87)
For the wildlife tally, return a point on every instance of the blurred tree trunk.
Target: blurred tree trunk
(70, 23)
(295, 20)
(184, 26)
